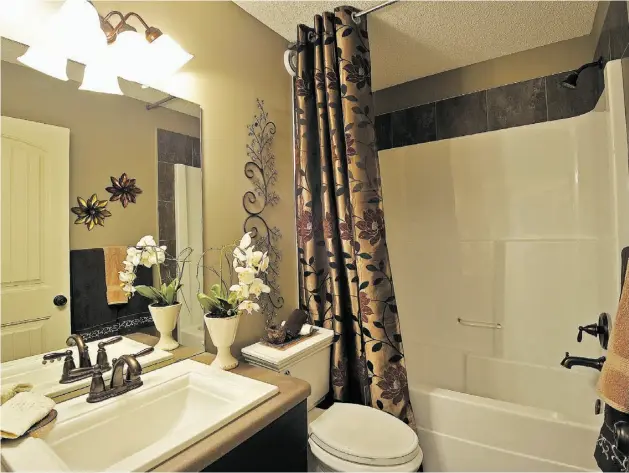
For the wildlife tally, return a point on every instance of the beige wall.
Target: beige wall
(237, 59)
(109, 135)
(525, 65)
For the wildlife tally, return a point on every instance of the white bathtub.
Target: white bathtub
(463, 432)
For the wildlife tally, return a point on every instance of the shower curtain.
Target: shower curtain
(345, 280)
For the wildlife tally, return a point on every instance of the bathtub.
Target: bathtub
(464, 432)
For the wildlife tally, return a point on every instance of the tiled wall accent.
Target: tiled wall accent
(523, 103)
(614, 38)
(172, 148)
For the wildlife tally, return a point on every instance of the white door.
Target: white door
(34, 262)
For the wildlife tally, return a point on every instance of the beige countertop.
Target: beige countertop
(206, 451)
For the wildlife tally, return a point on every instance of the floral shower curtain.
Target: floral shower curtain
(344, 275)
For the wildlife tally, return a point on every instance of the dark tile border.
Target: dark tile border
(523, 103)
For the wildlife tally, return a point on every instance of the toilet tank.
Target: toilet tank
(308, 360)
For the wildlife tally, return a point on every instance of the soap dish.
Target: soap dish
(41, 428)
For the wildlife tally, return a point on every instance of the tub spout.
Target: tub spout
(570, 361)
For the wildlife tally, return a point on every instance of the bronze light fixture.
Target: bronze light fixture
(109, 49)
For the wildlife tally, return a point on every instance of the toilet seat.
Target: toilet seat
(354, 437)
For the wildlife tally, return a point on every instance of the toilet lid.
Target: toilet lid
(361, 434)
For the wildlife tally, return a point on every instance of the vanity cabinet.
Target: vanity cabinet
(280, 446)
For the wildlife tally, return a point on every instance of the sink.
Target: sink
(177, 406)
(45, 378)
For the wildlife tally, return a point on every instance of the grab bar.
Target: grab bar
(478, 324)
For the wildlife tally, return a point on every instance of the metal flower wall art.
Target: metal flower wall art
(261, 171)
(123, 189)
(91, 212)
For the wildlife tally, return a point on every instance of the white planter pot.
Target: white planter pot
(223, 333)
(165, 319)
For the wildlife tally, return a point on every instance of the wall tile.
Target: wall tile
(523, 103)
(618, 25)
(413, 125)
(196, 152)
(463, 115)
(170, 265)
(566, 103)
(173, 147)
(166, 220)
(603, 46)
(383, 131)
(166, 181)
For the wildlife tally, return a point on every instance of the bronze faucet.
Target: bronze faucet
(84, 356)
(70, 372)
(121, 381)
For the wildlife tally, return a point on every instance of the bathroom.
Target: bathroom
(491, 137)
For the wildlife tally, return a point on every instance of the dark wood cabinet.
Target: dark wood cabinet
(280, 446)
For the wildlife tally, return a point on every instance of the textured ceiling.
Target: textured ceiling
(415, 39)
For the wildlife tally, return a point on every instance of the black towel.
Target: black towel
(607, 456)
(91, 315)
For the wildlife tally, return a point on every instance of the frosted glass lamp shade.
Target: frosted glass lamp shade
(46, 61)
(100, 78)
(168, 56)
(132, 59)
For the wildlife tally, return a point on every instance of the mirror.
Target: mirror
(133, 161)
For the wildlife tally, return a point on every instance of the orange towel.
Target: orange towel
(613, 385)
(114, 256)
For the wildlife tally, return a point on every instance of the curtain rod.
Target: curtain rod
(356, 16)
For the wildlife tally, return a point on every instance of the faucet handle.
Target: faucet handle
(146, 351)
(600, 330)
(101, 354)
(52, 357)
(111, 341)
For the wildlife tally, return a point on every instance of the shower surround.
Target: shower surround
(519, 227)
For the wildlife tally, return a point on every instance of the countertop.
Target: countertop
(206, 451)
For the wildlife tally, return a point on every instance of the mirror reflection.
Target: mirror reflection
(86, 176)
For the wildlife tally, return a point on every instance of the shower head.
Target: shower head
(570, 82)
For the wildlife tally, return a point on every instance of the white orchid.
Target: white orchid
(245, 241)
(241, 291)
(264, 264)
(249, 306)
(126, 277)
(147, 240)
(246, 275)
(133, 256)
(147, 253)
(129, 289)
(248, 264)
(257, 287)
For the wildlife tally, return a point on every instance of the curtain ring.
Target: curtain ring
(312, 36)
(355, 18)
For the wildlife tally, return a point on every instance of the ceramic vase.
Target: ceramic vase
(223, 333)
(165, 319)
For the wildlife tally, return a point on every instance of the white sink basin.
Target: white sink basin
(177, 406)
(45, 378)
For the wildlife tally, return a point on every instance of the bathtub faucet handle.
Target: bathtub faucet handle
(600, 330)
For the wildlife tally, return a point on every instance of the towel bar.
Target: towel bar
(478, 324)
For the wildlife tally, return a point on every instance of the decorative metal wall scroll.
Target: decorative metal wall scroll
(261, 171)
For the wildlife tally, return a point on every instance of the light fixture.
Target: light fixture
(46, 60)
(132, 56)
(100, 76)
(77, 31)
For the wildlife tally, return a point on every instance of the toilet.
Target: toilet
(345, 437)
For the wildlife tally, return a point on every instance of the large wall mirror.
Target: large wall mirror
(131, 164)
